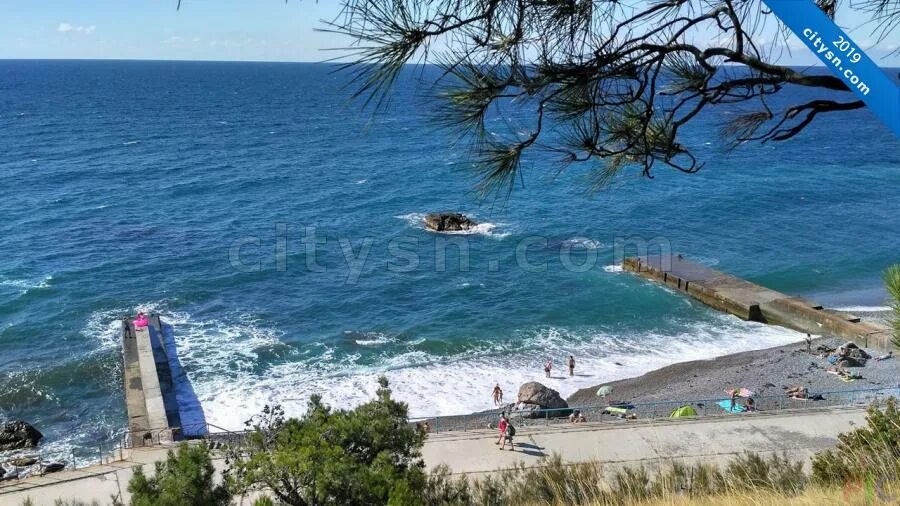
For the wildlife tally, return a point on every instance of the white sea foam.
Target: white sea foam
(417, 220)
(864, 309)
(582, 242)
(435, 385)
(25, 285)
(374, 339)
(130, 143)
(361, 181)
(613, 268)
(222, 358)
(104, 327)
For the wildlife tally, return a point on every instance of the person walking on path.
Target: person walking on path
(507, 436)
(548, 367)
(571, 365)
(502, 425)
(497, 394)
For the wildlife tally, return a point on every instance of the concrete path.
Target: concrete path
(650, 442)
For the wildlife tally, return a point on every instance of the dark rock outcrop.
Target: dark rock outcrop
(534, 396)
(851, 355)
(448, 222)
(18, 434)
(53, 467)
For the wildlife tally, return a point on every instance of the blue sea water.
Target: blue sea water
(195, 189)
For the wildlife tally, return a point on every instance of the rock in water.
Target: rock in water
(536, 394)
(22, 461)
(18, 434)
(53, 467)
(448, 222)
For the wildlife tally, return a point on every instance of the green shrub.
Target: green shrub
(185, 478)
(892, 283)
(441, 489)
(866, 452)
(779, 474)
(367, 455)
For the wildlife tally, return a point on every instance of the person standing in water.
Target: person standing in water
(571, 365)
(497, 394)
(548, 367)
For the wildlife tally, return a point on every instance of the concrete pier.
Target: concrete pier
(754, 302)
(148, 386)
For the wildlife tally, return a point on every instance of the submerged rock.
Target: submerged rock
(448, 222)
(18, 434)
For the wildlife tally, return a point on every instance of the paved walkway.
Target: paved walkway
(650, 442)
(715, 440)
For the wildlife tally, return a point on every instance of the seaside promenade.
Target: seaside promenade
(799, 434)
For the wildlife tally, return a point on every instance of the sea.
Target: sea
(276, 224)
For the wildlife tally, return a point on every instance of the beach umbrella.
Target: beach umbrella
(604, 391)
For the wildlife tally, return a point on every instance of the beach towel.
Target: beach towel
(739, 392)
(726, 405)
(616, 411)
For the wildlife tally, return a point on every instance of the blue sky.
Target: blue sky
(267, 30)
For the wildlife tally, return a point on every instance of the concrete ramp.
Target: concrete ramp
(754, 302)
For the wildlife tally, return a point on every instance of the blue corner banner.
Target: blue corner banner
(842, 56)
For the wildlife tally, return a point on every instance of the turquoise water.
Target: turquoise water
(176, 187)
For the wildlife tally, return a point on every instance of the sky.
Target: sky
(263, 30)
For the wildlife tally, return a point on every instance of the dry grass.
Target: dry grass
(861, 495)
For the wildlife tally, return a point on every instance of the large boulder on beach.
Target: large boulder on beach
(536, 394)
(18, 434)
(448, 222)
(851, 355)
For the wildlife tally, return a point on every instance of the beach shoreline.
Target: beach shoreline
(766, 372)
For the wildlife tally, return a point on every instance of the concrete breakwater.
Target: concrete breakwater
(150, 400)
(750, 301)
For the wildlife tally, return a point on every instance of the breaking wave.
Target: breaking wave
(417, 220)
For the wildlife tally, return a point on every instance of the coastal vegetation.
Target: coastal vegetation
(610, 87)
(368, 455)
(372, 455)
(185, 477)
(892, 283)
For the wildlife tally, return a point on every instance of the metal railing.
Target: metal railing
(654, 409)
(113, 449)
(110, 450)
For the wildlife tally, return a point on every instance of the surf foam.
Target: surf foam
(445, 385)
(417, 220)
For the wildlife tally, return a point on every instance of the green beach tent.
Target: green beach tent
(683, 411)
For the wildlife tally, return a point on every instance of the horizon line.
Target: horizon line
(305, 62)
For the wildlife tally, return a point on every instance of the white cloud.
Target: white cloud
(68, 27)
